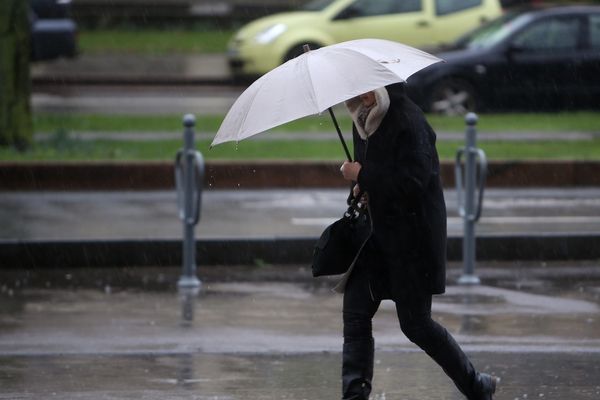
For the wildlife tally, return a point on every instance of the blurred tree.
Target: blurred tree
(15, 86)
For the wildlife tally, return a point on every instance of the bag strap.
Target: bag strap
(356, 208)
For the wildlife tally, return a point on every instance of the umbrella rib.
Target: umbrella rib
(310, 81)
(259, 83)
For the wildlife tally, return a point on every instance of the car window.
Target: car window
(595, 31)
(493, 32)
(444, 7)
(550, 34)
(366, 8)
(316, 5)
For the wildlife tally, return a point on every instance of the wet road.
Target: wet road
(272, 332)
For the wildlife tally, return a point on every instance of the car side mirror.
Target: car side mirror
(348, 13)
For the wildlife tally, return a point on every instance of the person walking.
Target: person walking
(396, 172)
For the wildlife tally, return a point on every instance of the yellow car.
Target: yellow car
(267, 42)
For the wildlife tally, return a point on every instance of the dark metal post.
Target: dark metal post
(189, 176)
(468, 206)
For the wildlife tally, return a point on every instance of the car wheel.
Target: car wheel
(299, 49)
(453, 97)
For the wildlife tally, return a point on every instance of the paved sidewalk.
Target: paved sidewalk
(131, 68)
(275, 333)
(247, 214)
(79, 229)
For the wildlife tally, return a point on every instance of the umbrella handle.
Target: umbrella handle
(339, 132)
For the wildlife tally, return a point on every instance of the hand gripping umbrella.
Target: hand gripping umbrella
(317, 80)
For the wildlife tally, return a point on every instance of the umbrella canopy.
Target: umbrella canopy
(317, 80)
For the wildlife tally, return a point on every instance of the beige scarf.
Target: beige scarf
(368, 119)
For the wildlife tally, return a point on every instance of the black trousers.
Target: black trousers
(414, 315)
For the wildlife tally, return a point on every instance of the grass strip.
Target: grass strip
(62, 148)
(154, 41)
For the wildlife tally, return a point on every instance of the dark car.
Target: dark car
(529, 60)
(53, 32)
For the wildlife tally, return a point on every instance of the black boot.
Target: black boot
(454, 362)
(486, 386)
(357, 369)
(435, 340)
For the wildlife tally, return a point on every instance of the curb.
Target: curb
(46, 254)
(267, 174)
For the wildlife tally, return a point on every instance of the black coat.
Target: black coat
(401, 174)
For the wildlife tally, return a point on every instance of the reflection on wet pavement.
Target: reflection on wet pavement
(398, 375)
(272, 332)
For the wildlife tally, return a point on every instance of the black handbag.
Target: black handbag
(341, 242)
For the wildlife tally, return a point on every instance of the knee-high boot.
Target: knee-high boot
(357, 369)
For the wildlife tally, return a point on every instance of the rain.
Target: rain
(135, 266)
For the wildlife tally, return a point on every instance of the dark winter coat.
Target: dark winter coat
(401, 174)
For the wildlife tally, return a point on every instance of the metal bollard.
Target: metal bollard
(468, 209)
(189, 176)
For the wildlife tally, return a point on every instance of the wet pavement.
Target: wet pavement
(268, 331)
(272, 332)
(271, 213)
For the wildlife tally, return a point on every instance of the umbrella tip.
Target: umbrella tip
(306, 48)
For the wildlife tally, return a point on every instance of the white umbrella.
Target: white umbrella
(317, 80)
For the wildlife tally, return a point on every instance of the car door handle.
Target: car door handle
(423, 24)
